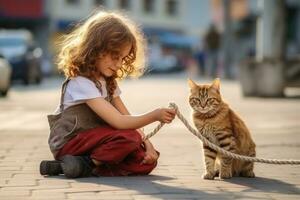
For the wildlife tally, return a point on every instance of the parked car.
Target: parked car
(25, 57)
(5, 74)
(169, 52)
(162, 60)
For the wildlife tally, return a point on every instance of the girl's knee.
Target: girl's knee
(133, 136)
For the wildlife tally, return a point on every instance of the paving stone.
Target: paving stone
(46, 194)
(14, 193)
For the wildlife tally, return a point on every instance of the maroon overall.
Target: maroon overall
(120, 151)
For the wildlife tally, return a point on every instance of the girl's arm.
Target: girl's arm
(112, 116)
(120, 106)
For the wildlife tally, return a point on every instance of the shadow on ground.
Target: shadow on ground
(163, 187)
(160, 187)
(267, 185)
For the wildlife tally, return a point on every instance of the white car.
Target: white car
(5, 75)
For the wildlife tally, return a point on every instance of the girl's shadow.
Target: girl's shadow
(161, 187)
(164, 187)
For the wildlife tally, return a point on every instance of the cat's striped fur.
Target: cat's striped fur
(224, 127)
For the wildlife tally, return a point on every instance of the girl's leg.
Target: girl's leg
(130, 166)
(110, 145)
(118, 147)
(120, 151)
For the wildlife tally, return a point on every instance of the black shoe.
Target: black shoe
(77, 166)
(50, 168)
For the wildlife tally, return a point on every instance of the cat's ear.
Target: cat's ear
(216, 85)
(192, 84)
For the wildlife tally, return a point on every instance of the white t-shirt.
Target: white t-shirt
(80, 89)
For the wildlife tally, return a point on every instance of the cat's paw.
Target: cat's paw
(208, 176)
(249, 174)
(225, 175)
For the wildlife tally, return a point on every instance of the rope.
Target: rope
(217, 148)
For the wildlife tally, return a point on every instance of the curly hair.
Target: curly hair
(103, 32)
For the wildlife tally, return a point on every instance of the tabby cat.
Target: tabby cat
(212, 116)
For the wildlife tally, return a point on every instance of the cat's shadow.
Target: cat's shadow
(268, 185)
(163, 187)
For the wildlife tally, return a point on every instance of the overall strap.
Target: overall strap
(63, 90)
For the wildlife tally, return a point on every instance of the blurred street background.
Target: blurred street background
(252, 45)
(255, 42)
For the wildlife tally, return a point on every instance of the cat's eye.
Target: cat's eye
(211, 99)
(194, 100)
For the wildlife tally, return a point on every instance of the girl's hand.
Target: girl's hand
(165, 115)
(151, 155)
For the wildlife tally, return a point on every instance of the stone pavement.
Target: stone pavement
(274, 123)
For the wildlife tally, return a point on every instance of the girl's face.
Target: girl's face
(108, 64)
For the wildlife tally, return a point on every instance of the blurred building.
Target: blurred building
(191, 16)
(178, 24)
(29, 14)
(244, 16)
(49, 18)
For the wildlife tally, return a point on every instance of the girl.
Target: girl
(92, 132)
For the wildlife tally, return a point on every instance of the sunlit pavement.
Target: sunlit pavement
(274, 123)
